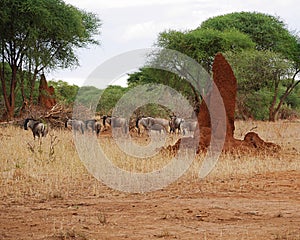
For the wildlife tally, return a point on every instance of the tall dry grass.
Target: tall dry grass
(284, 133)
(38, 170)
(53, 169)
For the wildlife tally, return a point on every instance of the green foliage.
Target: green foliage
(268, 32)
(199, 44)
(153, 110)
(64, 92)
(263, 73)
(293, 100)
(203, 44)
(109, 99)
(264, 55)
(156, 76)
(88, 96)
(257, 69)
(39, 35)
(257, 103)
(47, 31)
(143, 76)
(23, 80)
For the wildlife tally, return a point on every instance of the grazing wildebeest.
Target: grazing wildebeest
(115, 122)
(98, 128)
(175, 123)
(90, 124)
(159, 121)
(118, 122)
(77, 125)
(188, 126)
(157, 128)
(142, 123)
(150, 123)
(93, 126)
(106, 121)
(38, 129)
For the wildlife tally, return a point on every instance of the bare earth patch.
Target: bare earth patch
(245, 197)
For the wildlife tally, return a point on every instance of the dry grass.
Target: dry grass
(49, 170)
(48, 183)
(284, 133)
(37, 170)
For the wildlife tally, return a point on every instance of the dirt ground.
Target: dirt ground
(258, 206)
(261, 207)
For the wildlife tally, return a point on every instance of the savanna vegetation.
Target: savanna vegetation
(263, 52)
(47, 193)
(36, 37)
(46, 190)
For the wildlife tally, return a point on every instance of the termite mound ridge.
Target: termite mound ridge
(226, 83)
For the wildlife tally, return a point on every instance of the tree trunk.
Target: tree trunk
(272, 115)
(12, 94)
(197, 101)
(9, 99)
(32, 85)
(24, 99)
(272, 109)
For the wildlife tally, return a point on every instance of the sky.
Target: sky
(134, 24)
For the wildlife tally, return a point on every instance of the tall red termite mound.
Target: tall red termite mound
(46, 94)
(226, 83)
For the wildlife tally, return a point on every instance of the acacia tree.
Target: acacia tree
(258, 71)
(64, 92)
(277, 59)
(237, 32)
(203, 44)
(200, 45)
(40, 35)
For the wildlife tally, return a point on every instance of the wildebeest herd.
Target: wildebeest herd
(173, 125)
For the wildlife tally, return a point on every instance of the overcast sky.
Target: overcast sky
(133, 24)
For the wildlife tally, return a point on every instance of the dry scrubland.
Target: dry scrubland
(46, 192)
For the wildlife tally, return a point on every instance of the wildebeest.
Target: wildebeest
(106, 121)
(157, 128)
(90, 124)
(38, 128)
(159, 121)
(93, 126)
(149, 123)
(116, 122)
(175, 123)
(142, 123)
(188, 127)
(97, 128)
(77, 125)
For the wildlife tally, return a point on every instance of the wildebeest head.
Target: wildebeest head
(25, 123)
(106, 120)
(175, 123)
(30, 122)
(77, 125)
(38, 129)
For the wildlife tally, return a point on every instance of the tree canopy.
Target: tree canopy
(273, 52)
(64, 92)
(203, 44)
(275, 63)
(41, 35)
(266, 31)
